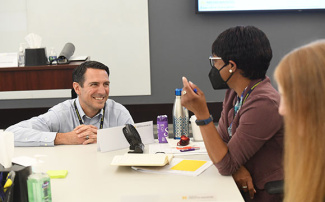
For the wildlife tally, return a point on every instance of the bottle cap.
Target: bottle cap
(162, 118)
(178, 91)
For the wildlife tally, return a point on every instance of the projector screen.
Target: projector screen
(257, 5)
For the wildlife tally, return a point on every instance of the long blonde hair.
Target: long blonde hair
(301, 76)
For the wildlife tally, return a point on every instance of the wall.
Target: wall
(180, 43)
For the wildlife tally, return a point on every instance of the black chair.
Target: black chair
(274, 187)
(73, 94)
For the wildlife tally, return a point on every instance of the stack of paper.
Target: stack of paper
(141, 160)
(179, 166)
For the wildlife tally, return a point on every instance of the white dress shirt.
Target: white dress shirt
(62, 118)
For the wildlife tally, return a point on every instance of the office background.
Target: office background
(180, 44)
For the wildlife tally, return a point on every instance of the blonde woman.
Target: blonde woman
(301, 79)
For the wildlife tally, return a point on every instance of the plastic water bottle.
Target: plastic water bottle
(21, 56)
(180, 117)
(53, 56)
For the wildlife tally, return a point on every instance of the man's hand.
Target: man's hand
(83, 134)
(244, 181)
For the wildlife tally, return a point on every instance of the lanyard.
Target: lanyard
(240, 103)
(80, 120)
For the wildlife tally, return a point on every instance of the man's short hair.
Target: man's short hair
(78, 74)
(248, 47)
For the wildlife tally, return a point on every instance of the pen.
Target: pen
(186, 150)
(189, 147)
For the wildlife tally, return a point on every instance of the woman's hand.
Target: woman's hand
(194, 102)
(244, 181)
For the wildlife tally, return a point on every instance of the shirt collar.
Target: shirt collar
(82, 113)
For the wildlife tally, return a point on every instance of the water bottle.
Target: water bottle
(53, 56)
(21, 56)
(180, 117)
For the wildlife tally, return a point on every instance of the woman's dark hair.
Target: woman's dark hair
(248, 47)
(79, 72)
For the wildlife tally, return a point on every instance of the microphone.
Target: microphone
(66, 53)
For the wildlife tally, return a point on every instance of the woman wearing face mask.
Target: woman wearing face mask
(301, 79)
(248, 142)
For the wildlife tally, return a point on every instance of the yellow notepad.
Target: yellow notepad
(189, 165)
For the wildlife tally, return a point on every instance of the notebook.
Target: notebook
(142, 160)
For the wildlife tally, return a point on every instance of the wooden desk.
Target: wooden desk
(92, 178)
(45, 77)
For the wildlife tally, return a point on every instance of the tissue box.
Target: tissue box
(35, 57)
(20, 192)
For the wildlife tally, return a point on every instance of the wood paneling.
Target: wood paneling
(37, 77)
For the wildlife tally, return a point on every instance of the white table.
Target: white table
(92, 178)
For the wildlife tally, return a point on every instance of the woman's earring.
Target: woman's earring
(230, 71)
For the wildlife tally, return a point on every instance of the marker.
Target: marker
(188, 147)
(186, 150)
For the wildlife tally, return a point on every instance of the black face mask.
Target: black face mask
(216, 79)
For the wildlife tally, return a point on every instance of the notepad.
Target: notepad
(189, 165)
(57, 173)
(142, 160)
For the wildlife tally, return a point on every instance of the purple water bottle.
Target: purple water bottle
(162, 128)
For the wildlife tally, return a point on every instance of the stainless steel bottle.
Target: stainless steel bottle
(180, 117)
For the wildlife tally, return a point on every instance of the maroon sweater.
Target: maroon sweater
(257, 140)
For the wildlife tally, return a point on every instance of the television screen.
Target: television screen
(257, 5)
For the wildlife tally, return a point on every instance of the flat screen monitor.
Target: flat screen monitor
(203, 6)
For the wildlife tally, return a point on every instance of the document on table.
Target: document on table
(178, 166)
(8, 59)
(172, 148)
(141, 160)
(110, 139)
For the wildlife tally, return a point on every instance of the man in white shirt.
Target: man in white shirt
(76, 121)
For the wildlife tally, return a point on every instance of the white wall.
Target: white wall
(114, 32)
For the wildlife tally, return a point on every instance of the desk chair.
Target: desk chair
(274, 187)
(73, 94)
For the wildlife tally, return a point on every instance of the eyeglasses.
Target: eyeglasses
(212, 60)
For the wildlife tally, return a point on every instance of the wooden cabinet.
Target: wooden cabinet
(45, 77)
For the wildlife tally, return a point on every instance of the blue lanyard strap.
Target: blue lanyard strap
(80, 120)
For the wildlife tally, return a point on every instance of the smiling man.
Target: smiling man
(76, 121)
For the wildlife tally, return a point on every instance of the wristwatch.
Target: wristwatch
(204, 122)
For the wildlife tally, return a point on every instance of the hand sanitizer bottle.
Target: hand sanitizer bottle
(39, 186)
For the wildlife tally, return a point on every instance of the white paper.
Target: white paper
(167, 168)
(78, 58)
(8, 59)
(170, 148)
(25, 161)
(110, 139)
(33, 40)
(6, 148)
